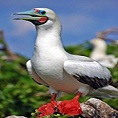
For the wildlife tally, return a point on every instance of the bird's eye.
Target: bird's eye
(42, 12)
(39, 11)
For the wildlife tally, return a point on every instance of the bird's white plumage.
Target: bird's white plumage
(33, 74)
(99, 53)
(91, 69)
(52, 66)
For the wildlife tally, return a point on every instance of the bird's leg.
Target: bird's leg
(53, 97)
(78, 95)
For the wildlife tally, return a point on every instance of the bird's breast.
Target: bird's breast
(48, 64)
(52, 72)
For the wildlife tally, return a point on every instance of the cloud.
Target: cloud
(73, 23)
(94, 5)
(21, 28)
(76, 23)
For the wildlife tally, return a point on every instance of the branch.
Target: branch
(10, 54)
(105, 33)
(13, 116)
(95, 108)
(92, 108)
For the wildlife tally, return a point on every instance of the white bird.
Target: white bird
(52, 66)
(99, 53)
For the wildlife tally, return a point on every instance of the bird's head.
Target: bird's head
(40, 17)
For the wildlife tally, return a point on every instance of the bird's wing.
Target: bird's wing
(34, 75)
(88, 72)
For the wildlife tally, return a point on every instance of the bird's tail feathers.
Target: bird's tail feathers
(105, 92)
(110, 90)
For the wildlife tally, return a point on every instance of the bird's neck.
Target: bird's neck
(100, 47)
(48, 38)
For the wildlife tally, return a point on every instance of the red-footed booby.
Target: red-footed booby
(52, 66)
(99, 53)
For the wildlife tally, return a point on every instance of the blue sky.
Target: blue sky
(80, 19)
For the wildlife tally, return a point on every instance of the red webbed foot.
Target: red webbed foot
(66, 107)
(49, 108)
(70, 107)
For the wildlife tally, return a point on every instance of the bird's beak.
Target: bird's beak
(32, 16)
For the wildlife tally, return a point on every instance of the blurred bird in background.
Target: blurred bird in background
(100, 47)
